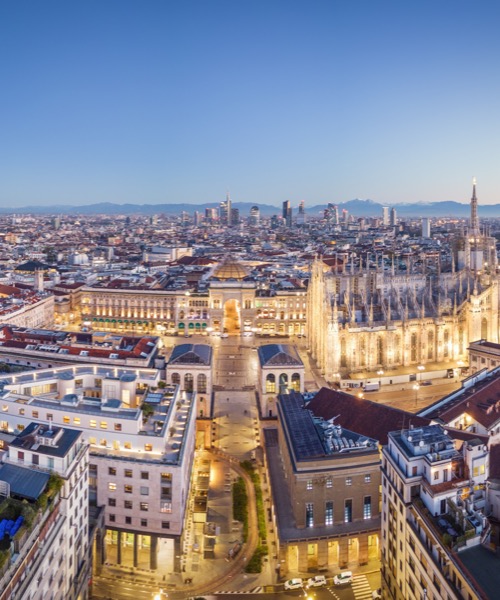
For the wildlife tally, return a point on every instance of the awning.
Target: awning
(181, 325)
(191, 326)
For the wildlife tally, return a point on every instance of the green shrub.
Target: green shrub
(255, 563)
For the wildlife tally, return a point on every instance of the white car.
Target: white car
(343, 578)
(225, 335)
(317, 581)
(293, 584)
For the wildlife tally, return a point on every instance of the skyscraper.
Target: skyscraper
(287, 213)
(254, 215)
(394, 217)
(426, 228)
(225, 211)
(385, 218)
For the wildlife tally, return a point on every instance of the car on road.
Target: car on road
(294, 584)
(343, 578)
(426, 382)
(225, 335)
(317, 581)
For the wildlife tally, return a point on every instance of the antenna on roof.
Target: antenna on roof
(50, 424)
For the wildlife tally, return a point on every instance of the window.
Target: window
(165, 524)
(66, 419)
(34, 414)
(309, 514)
(144, 506)
(128, 520)
(35, 459)
(436, 475)
(128, 489)
(76, 420)
(112, 518)
(367, 507)
(128, 473)
(165, 507)
(111, 501)
(128, 504)
(329, 513)
(104, 425)
(127, 446)
(118, 426)
(348, 480)
(148, 447)
(309, 484)
(144, 491)
(93, 423)
(348, 511)
(329, 482)
(111, 471)
(112, 487)
(144, 475)
(144, 522)
(368, 478)
(20, 456)
(21, 411)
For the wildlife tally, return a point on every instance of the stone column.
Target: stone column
(343, 552)
(363, 548)
(136, 550)
(119, 549)
(303, 558)
(322, 554)
(153, 553)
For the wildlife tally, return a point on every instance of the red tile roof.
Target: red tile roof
(362, 416)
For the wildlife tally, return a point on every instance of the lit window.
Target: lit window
(118, 426)
(436, 475)
(128, 504)
(112, 487)
(329, 482)
(348, 480)
(21, 411)
(144, 506)
(34, 414)
(93, 423)
(309, 484)
(309, 514)
(92, 441)
(128, 489)
(367, 508)
(148, 447)
(329, 513)
(165, 507)
(111, 471)
(104, 424)
(76, 420)
(127, 445)
(5, 408)
(66, 419)
(368, 478)
(128, 473)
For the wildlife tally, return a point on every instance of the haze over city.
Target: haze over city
(164, 102)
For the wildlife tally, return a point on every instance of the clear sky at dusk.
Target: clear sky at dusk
(162, 101)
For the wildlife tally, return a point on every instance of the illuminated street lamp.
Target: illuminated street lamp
(421, 368)
(161, 595)
(416, 387)
(380, 373)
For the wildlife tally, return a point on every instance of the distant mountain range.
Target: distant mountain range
(358, 208)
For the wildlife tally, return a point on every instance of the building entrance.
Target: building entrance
(232, 316)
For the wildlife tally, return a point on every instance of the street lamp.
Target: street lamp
(380, 373)
(421, 368)
(416, 387)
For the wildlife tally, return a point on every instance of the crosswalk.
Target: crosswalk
(361, 588)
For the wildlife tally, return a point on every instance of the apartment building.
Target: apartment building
(141, 440)
(433, 521)
(44, 478)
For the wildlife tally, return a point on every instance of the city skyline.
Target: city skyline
(175, 103)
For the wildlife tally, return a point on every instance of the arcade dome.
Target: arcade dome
(230, 270)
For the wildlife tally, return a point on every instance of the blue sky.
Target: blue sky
(161, 101)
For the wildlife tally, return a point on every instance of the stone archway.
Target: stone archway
(232, 322)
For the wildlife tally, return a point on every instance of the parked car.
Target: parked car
(293, 584)
(225, 335)
(343, 578)
(317, 581)
(426, 382)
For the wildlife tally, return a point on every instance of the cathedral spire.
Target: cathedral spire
(474, 219)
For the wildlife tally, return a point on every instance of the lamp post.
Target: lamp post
(416, 387)
(421, 368)
(380, 373)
